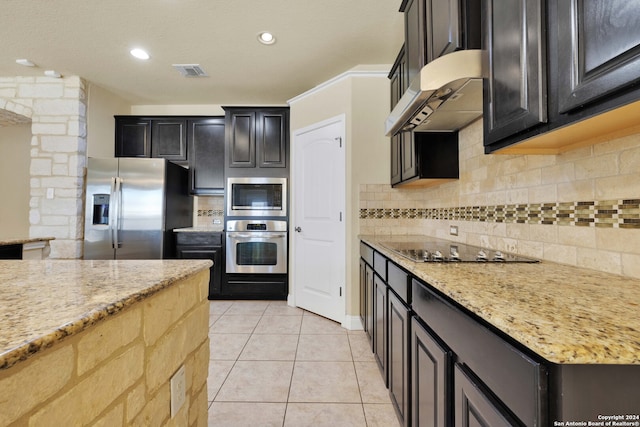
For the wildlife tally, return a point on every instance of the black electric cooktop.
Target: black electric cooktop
(439, 250)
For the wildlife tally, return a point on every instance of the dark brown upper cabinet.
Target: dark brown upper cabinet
(169, 139)
(206, 157)
(434, 28)
(164, 137)
(579, 63)
(257, 137)
(599, 46)
(419, 158)
(133, 137)
(514, 92)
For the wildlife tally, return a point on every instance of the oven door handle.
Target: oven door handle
(256, 236)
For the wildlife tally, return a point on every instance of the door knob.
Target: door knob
(298, 229)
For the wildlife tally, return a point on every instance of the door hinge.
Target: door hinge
(340, 290)
(339, 139)
(340, 216)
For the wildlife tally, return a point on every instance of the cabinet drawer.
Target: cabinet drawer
(380, 265)
(366, 253)
(398, 280)
(515, 378)
(199, 238)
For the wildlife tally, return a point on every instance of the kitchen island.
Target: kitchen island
(573, 334)
(97, 342)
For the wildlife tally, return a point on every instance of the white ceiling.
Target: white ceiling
(316, 40)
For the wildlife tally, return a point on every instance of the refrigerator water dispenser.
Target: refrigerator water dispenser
(100, 209)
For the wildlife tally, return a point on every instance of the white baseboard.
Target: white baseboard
(352, 323)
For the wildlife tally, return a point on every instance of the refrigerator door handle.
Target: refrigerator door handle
(116, 190)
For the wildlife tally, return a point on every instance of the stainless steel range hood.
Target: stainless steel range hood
(446, 95)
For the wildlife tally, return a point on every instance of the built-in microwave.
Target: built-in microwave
(253, 196)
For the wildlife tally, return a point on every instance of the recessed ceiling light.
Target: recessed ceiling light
(266, 37)
(25, 62)
(139, 53)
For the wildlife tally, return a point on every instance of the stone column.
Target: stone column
(57, 109)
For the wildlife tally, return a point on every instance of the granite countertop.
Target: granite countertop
(42, 302)
(214, 228)
(21, 241)
(567, 315)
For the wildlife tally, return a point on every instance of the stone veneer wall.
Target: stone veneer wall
(57, 111)
(117, 372)
(579, 208)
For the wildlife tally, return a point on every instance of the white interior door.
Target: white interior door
(318, 223)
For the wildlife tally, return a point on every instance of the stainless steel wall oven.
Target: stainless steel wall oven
(256, 247)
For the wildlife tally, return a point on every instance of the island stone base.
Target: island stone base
(118, 372)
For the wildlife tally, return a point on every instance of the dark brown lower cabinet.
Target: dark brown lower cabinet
(363, 294)
(366, 298)
(204, 245)
(398, 363)
(380, 333)
(473, 406)
(431, 378)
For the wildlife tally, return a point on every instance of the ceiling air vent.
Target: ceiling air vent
(190, 70)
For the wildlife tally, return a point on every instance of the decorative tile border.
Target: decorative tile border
(210, 212)
(607, 213)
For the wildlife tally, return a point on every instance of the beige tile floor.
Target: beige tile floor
(275, 365)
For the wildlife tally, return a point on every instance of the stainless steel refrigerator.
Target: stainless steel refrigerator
(132, 206)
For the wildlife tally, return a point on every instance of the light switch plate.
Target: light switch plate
(178, 390)
(453, 230)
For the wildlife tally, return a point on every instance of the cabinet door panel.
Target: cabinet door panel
(444, 35)
(415, 34)
(242, 140)
(475, 408)
(212, 253)
(363, 294)
(396, 160)
(599, 49)
(431, 379)
(206, 161)
(380, 325)
(515, 90)
(133, 138)
(271, 133)
(408, 154)
(369, 292)
(398, 364)
(169, 139)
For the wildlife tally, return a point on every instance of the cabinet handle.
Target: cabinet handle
(298, 229)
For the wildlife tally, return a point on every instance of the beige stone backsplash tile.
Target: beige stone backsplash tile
(531, 248)
(544, 233)
(630, 265)
(609, 262)
(562, 254)
(543, 193)
(577, 236)
(576, 190)
(620, 186)
(615, 145)
(618, 239)
(596, 167)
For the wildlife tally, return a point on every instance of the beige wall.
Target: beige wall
(101, 107)
(15, 143)
(177, 110)
(362, 94)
